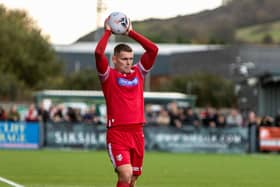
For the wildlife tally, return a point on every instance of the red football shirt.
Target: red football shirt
(124, 97)
(124, 92)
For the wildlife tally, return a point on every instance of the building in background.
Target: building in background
(254, 69)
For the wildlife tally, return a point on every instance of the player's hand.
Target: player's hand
(129, 28)
(106, 24)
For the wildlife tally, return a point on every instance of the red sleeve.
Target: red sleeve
(100, 58)
(149, 57)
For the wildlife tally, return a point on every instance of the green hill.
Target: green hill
(262, 33)
(210, 26)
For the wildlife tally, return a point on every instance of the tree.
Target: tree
(11, 88)
(209, 89)
(25, 53)
(267, 39)
(83, 80)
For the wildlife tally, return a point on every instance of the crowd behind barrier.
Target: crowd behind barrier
(162, 115)
(170, 115)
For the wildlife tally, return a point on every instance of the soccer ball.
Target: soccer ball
(118, 22)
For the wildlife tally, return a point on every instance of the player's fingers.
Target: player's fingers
(106, 24)
(129, 27)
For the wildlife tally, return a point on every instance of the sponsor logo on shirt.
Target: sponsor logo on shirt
(125, 82)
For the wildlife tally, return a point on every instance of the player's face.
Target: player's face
(123, 61)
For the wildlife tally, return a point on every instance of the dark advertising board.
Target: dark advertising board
(227, 140)
(75, 135)
(224, 140)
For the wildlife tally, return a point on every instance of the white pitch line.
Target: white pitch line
(10, 182)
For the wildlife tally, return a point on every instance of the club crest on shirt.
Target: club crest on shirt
(124, 82)
(119, 157)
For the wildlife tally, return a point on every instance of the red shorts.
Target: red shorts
(126, 146)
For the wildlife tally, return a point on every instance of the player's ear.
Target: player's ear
(114, 59)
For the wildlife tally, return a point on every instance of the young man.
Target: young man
(123, 90)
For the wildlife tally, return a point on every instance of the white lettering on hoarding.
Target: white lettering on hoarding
(12, 133)
(75, 138)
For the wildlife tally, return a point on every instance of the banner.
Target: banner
(269, 138)
(189, 139)
(19, 135)
(79, 135)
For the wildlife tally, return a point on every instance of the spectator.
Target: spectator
(13, 114)
(71, 115)
(56, 113)
(43, 114)
(3, 114)
(253, 131)
(210, 117)
(78, 112)
(252, 119)
(174, 114)
(267, 121)
(277, 119)
(32, 114)
(91, 117)
(221, 120)
(190, 118)
(150, 114)
(163, 118)
(234, 118)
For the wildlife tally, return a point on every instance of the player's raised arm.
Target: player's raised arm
(100, 58)
(148, 58)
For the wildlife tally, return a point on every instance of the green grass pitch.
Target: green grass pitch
(62, 168)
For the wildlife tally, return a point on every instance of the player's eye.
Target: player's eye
(127, 59)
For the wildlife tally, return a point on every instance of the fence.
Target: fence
(89, 136)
